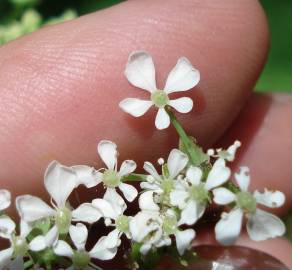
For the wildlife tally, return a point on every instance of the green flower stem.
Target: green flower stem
(135, 177)
(95, 266)
(188, 143)
(28, 264)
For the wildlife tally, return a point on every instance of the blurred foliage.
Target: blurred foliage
(18, 17)
(277, 75)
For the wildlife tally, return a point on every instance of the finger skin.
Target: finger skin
(264, 127)
(60, 86)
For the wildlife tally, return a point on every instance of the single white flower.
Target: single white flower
(163, 184)
(59, 182)
(111, 177)
(5, 199)
(228, 154)
(104, 249)
(112, 207)
(140, 72)
(191, 195)
(261, 225)
(19, 246)
(154, 229)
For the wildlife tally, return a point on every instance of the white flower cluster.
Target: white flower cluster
(170, 202)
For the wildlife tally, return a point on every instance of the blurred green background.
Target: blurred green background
(18, 17)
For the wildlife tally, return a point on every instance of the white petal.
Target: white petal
(52, 236)
(162, 119)
(86, 212)
(135, 107)
(232, 150)
(146, 201)
(182, 77)
(140, 71)
(182, 105)
(115, 200)
(269, 198)
(127, 167)
(87, 176)
(149, 186)
(31, 208)
(107, 150)
(5, 257)
(25, 228)
(148, 167)
(178, 198)
(105, 207)
(229, 226)
(16, 264)
(79, 234)
(101, 251)
(184, 239)
(242, 178)
(263, 225)
(60, 182)
(176, 162)
(63, 249)
(129, 191)
(194, 175)
(113, 239)
(5, 199)
(189, 214)
(144, 249)
(223, 196)
(38, 243)
(7, 226)
(218, 175)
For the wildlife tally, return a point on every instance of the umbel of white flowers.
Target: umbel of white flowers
(171, 201)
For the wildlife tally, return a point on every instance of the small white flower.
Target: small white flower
(5, 199)
(140, 72)
(192, 195)
(163, 184)
(104, 249)
(261, 225)
(111, 177)
(112, 207)
(154, 229)
(13, 256)
(59, 182)
(228, 154)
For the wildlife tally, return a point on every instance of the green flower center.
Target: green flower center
(20, 246)
(111, 178)
(246, 201)
(199, 193)
(80, 259)
(122, 223)
(159, 98)
(63, 220)
(169, 225)
(167, 185)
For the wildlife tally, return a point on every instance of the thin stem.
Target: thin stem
(135, 177)
(95, 266)
(28, 264)
(182, 134)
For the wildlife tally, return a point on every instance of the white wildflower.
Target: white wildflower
(59, 182)
(112, 207)
(140, 72)
(163, 184)
(261, 225)
(19, 246)
(228, 154)
(192, 195)
(104, 249)
(111, 177)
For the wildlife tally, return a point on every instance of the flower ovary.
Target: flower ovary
(80, 259)
(199, 193)
(170, 225)
(63, 220)
(111, 178)
(122, 223)
(246, 201)
(20, 246)
(159, 98)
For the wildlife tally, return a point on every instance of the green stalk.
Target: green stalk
(195, 153)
